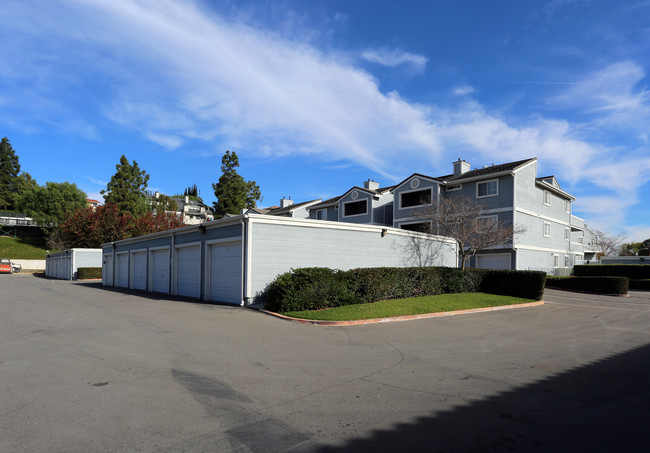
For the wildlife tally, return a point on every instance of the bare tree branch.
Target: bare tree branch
(470, 224)
(608, 244)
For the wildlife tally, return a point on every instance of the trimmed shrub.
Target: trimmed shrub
(526, 284)
(310, 288)
(643, 285)
(318, 288)
(600, 285)
(631, 271)
(88, 273)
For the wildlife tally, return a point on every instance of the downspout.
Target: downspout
(72, 266)
(113, 264)
(246, 234)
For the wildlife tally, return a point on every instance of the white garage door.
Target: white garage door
(225, 278)
(159, 282)
(122, 271)
(139, 272)
(496, 261)
(107, 270)
(188, 271)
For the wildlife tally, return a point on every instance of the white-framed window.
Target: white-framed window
(567, 261)
(567, 206)
(321, 214)
(556, 261)
(567, 234)
(547, 229)
(355, 208)
(454, 187)
(547, 198)
(487, 220)
(487, 188)
(414, 198)
(581, 240)
(421, 227)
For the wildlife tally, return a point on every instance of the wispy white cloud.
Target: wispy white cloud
(463, 90)
(395, 57)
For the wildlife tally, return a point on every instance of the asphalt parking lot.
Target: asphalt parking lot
(87, 369)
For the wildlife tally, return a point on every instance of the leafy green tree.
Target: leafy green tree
(630, 249)
(127, 188)
(163, 203)
(233, 192)
(12, 181)
(49, 205)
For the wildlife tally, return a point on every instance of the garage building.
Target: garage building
(233, 260)
(64, 264)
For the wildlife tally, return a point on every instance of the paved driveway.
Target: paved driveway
(85, 369)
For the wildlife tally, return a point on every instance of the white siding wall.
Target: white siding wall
(277, 248)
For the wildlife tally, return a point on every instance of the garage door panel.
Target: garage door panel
(140, 270)
(107, 270)
(188, 271)
(123, 270)
(496, 261)
(226, 273)
(159, 271)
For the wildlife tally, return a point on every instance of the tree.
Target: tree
(232, 191)
(12, 181)
(608, 244)
(469, 223)
(127, 188)
(163, 203)
(630, 249)
(50, 204)
(91, 228)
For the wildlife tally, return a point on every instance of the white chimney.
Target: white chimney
(187, 199)
(285, 202)
(460, 167)
(157, 194)
(371, 184)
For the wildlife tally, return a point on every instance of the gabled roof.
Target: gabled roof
(377, 192)
(551, 180)
(292, 207)
(488, 171)
(324, 204)
(419, 175)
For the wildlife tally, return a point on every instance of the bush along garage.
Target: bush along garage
(233, 260)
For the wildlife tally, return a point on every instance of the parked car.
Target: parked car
(16, 267)
(5, 266)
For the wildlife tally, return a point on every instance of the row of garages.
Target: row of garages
(65, 264)
(233, 260)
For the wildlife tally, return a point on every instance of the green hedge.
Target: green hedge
(85, 273)
(317, 288)
(640, 284)
(601, 285)
(631, 271)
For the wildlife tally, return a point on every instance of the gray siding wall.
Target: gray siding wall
(363, 218)
(332, 214)
(401, 214)
(278, 248)
(64, 264)
(503, 199)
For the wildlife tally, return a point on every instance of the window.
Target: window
(567, 261)
(456, 187)
(547, 198)
(547, 230)
(355, 208)
(415, 198)
(581, 239)
(488, 220)
(567, 234)
(487, 188)
(556, 261)
(321, 214)
(422, 227)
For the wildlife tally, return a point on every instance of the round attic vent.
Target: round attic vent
(354, 195)
(415, 183)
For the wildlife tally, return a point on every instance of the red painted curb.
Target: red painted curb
(401, 318)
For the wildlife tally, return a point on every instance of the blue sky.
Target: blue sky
(318, 96)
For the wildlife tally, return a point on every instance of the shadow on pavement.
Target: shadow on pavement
(602, 406)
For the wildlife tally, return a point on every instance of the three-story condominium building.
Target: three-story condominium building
(553, 240)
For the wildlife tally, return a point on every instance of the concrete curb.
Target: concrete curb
(402, 318)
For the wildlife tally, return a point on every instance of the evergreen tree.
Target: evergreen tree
(10, 178)
(233, 192)
(127, 188)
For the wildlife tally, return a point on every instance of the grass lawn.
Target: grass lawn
(22, 249)
(410, 306)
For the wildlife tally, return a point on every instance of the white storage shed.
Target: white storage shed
(233, 260)
(64, 264)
